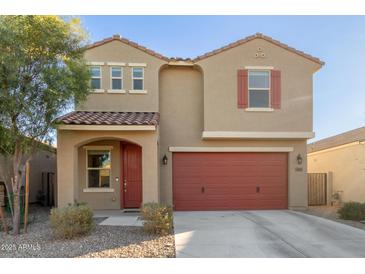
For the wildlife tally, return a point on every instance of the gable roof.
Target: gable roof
(338, 140)
(260, 36)
(117, 37)
(208, 54)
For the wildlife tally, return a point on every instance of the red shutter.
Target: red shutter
(242, 88)
(276, 89)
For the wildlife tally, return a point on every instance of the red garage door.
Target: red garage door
(226, 180)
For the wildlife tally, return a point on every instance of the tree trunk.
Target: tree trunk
(3, 218)
(16, 214)
(18, 173)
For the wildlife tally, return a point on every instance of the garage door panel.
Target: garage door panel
(240, 170)
(213, 198)
(241, 189)
(236, 180)
(232, 205)
(230, 181)
(226, 161)
(212, 205)
(240, 173)
(231, 191)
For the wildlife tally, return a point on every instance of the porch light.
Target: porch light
(299, 159)
(164, 160)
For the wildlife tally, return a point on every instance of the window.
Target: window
(98, 168)
(259, 88)
(116, 78)
(95, 77)
(137, 77)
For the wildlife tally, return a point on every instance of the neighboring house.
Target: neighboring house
(342, 157)
(226, 130)
(42, 176)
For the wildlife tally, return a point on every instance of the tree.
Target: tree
(42, 73)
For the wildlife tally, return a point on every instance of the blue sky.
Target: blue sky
(339, 91)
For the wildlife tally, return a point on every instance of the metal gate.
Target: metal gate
(317, 189)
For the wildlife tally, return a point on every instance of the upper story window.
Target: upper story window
(98, 168)
(259, 88)
(138, 78)
(95, 77)
(116, 78)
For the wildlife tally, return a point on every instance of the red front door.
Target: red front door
(131, 183)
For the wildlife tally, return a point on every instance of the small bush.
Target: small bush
(71, 221)
(352, 211)
(157, 218)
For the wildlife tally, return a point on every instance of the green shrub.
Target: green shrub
(71, 221)
(352, 211)
(157, 218)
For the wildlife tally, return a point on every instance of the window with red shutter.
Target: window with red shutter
(259, 89)
(276, 89)
(242, 88)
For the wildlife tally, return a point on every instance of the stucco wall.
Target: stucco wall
(181, 124)
(42, 161)
(117, 51)
(347, 167)
(220, 90)
(71, 166)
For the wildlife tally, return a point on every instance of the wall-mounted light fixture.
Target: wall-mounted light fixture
(164, 160)
(299, 159)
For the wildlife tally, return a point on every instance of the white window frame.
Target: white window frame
(100, 77)
(268, 108)
(138, 91)
(98, 189)
(111, 90)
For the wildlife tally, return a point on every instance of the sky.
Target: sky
(339, 41)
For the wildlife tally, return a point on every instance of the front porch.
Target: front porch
(111, 167)
(105, 213)
(115, 217)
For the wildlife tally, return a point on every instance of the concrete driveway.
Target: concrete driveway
(269, 233)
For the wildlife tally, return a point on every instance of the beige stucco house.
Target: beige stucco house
(225, 130)
(342, 157)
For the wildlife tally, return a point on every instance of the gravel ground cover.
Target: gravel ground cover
(103, 242)
(330, 212)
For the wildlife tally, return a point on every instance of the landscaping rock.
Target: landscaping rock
(103, 242)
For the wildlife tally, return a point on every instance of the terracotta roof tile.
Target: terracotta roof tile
(208, 54)
(109, 118)
(338, 140)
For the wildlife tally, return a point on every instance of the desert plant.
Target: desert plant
(157, 218)
(352, 211)
(71, 221)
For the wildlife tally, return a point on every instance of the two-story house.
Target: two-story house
(226, 130)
